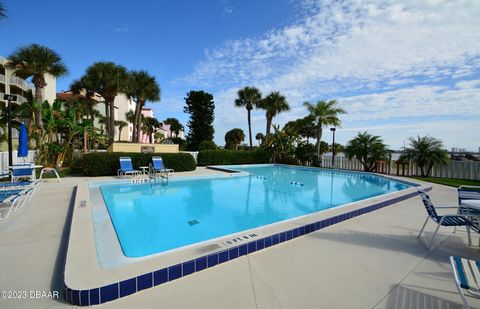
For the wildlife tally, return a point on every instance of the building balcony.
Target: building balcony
(17, 81)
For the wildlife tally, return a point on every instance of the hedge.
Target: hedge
(225, 157)
(107, 163)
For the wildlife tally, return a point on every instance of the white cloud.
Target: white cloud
(383, 60)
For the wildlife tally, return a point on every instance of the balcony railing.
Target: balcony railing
(20, 82)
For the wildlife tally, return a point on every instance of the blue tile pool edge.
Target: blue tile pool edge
(130, 286)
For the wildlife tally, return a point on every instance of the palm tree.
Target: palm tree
(273, 104)
(260, 137)
(36, 61)
(150, 125)
(107, 79)
(322, 114)
(120, 124)
(249, 97)
(233, 138)
(142, 87)
(426, 151)
(175, 126)
(368, 149)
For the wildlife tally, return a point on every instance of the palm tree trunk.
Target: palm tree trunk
(269, 126)
(136, 119)
(112, 120)
(107, 117)
(249, 128)
(150, 137)
(319, 139)
(38, 115)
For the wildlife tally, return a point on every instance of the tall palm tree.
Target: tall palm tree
(249, 97)
(120, 124)
(426, 151)
(108, 80)
(150, 124)
(273, 104)
(36, 61)
(324, 113)
(142, 87)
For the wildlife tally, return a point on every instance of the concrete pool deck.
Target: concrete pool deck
(374, 260)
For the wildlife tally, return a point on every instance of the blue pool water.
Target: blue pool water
(152, 218)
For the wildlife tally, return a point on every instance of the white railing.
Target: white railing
(468, 170)
(193, 153)
(4, 158)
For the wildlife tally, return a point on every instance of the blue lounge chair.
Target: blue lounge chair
(159, 167)
(126, 167)
(466, 273)
(22, 171)
(468, 193)
(452, 220)
(13, 199)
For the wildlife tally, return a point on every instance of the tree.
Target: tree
(273, 104)
(324, 113)
(142, 87)
(426, 152)
(249, 97)
(107, 79)
(120, 124)
(201, 107)
(175, 126)
(282, 144)
(233, 138)
(150, 125)
(36, 61)
(368, 149)
(260, 137)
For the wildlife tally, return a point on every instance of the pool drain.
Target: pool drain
(193, 222)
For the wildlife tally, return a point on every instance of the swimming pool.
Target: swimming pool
(149, 219)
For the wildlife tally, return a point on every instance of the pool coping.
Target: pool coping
(99, 285)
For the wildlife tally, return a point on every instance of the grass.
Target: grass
(452, 182)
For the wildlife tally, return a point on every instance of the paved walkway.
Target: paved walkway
(372, 261)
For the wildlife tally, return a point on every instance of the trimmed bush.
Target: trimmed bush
(107, 163)
(226, 157)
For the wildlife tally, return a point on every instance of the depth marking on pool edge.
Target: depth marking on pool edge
(239, 239)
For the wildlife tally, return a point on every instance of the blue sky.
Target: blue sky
(398, 69)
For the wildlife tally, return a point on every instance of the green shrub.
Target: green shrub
(207, 145)
(107, 163)
(225, 157)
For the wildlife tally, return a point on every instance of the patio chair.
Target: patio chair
(126, 167)
(466, 273)
(158, 169)
(158, 165)
(468, 193)
(451, 220)
(23, 171)
(11, 200)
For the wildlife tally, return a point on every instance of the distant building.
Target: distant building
(122, 105)
(462, 149)
(454, 149)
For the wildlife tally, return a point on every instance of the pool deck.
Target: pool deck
(374, 260)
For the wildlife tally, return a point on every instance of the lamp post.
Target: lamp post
(9, 98)
(333, 147)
